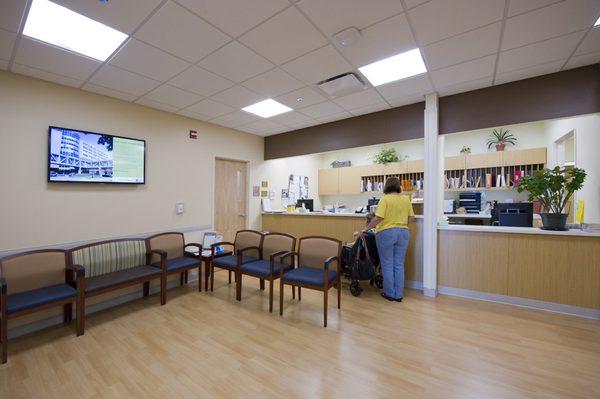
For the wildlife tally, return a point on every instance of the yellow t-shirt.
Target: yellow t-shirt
(394, 209)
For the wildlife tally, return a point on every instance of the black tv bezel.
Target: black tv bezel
(50, 127)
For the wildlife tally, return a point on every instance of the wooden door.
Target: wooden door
(230, 197)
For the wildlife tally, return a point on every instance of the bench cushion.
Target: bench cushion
(307, 275)
(230, 262)
(111, 256)
(182, 262)
(40, 296)
(262, 267)
(141, 273)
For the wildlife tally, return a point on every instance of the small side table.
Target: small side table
(206, 259)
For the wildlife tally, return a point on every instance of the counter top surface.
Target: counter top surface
(327, 214)
(518, 230)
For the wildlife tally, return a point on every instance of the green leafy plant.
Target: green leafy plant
(387, 155)
(500, 138)
(553, 187)
(465, 150)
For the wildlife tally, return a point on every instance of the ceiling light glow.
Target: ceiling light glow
(597, 22)
(57, 25)
(400, 66)
(267, 108)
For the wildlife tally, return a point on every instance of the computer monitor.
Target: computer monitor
(308, 204)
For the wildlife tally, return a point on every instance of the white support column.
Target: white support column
(433, 193)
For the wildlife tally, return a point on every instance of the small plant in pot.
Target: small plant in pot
(553, 188)
(465, 150)
(500, 138)
(386, 155)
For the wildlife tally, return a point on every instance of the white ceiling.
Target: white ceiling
(207, 59)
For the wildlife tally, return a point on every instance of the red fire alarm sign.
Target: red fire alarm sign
(193, 134)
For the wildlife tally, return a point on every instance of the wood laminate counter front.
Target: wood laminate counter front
(519, 230)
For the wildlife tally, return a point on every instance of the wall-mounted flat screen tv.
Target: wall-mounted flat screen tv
(76, 156)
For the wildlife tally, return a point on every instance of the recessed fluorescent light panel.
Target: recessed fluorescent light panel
(267, 108)
(597, 22)
(57, 25)
(394, 68)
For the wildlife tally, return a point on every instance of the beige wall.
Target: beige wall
(36, 213)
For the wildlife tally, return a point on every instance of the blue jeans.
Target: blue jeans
(392, 245)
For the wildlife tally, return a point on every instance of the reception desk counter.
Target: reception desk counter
(342, 226)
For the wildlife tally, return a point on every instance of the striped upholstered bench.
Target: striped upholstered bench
(115, 264)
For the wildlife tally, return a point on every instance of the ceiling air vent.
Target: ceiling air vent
(341, 85)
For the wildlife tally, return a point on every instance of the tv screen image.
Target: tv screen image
(87, 157)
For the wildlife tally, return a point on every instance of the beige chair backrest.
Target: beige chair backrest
(277, 242)
(109, 256)
(172, 243)
(32, 270)
(313, 251)
(248, 238)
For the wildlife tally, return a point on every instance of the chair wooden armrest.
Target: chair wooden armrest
(77, 269)
(240, 253)
(272, 260)
(163, 257)
(326, 267)
(291, 254)
(3, 286)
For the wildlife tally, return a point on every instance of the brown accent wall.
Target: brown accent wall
(556, 95)
(402, 123)
(562, 94)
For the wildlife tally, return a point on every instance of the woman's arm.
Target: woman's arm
(374, 222)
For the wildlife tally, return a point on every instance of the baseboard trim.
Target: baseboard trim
(89, 309)
(412, 284)
(522, 302)
(68, 245)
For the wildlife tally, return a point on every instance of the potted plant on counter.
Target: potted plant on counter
(465, 150)
(500, 138)
(387, 155)
(553, 188)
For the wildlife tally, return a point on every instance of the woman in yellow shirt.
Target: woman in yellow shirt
(391, 234)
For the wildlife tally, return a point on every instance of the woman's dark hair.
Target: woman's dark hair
(392, 185)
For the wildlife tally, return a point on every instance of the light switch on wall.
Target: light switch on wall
(179, 208)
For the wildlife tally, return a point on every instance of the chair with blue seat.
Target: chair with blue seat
(246, 248)
(318, 268)
(268, 267)
(167, 251)
(38, 280)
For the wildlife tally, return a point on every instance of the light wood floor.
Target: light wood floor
(208, 345)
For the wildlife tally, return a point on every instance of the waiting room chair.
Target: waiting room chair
(167, 252)
(268, 267)
(318, 269)
(246, 248)
(35, 281)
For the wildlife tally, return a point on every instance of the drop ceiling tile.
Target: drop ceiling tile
(200, 81)
(157, 105)
(529, 72)
(409, 87)
(173, 96)
(369, 109)
(273, 83)
(210, 109)
(591, 43)
(10, 14)
(4, 64)
(375, 43)
(414, 3)
(291, 118)
(304, 124)
(235, 119)
(235, 62)
(54, 60)
(191, 38)
(358, 100)
(440, 19)
(284, 37)
(334, 117)
(124, 81)
(470, 70)
(235, 17)
(123, 15)
(555, 20)
(238, 97)
(521, 6)
(146, 60)
(466, 86)
(539, 53)
(583, 60)
(464, 47)
(193, 115)
(262, 125)
(308, 95)
(7, 42)
(45, 75)
(321, 110)
(109, 92)
(332, 16)
(406, 100)
(318, 65)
